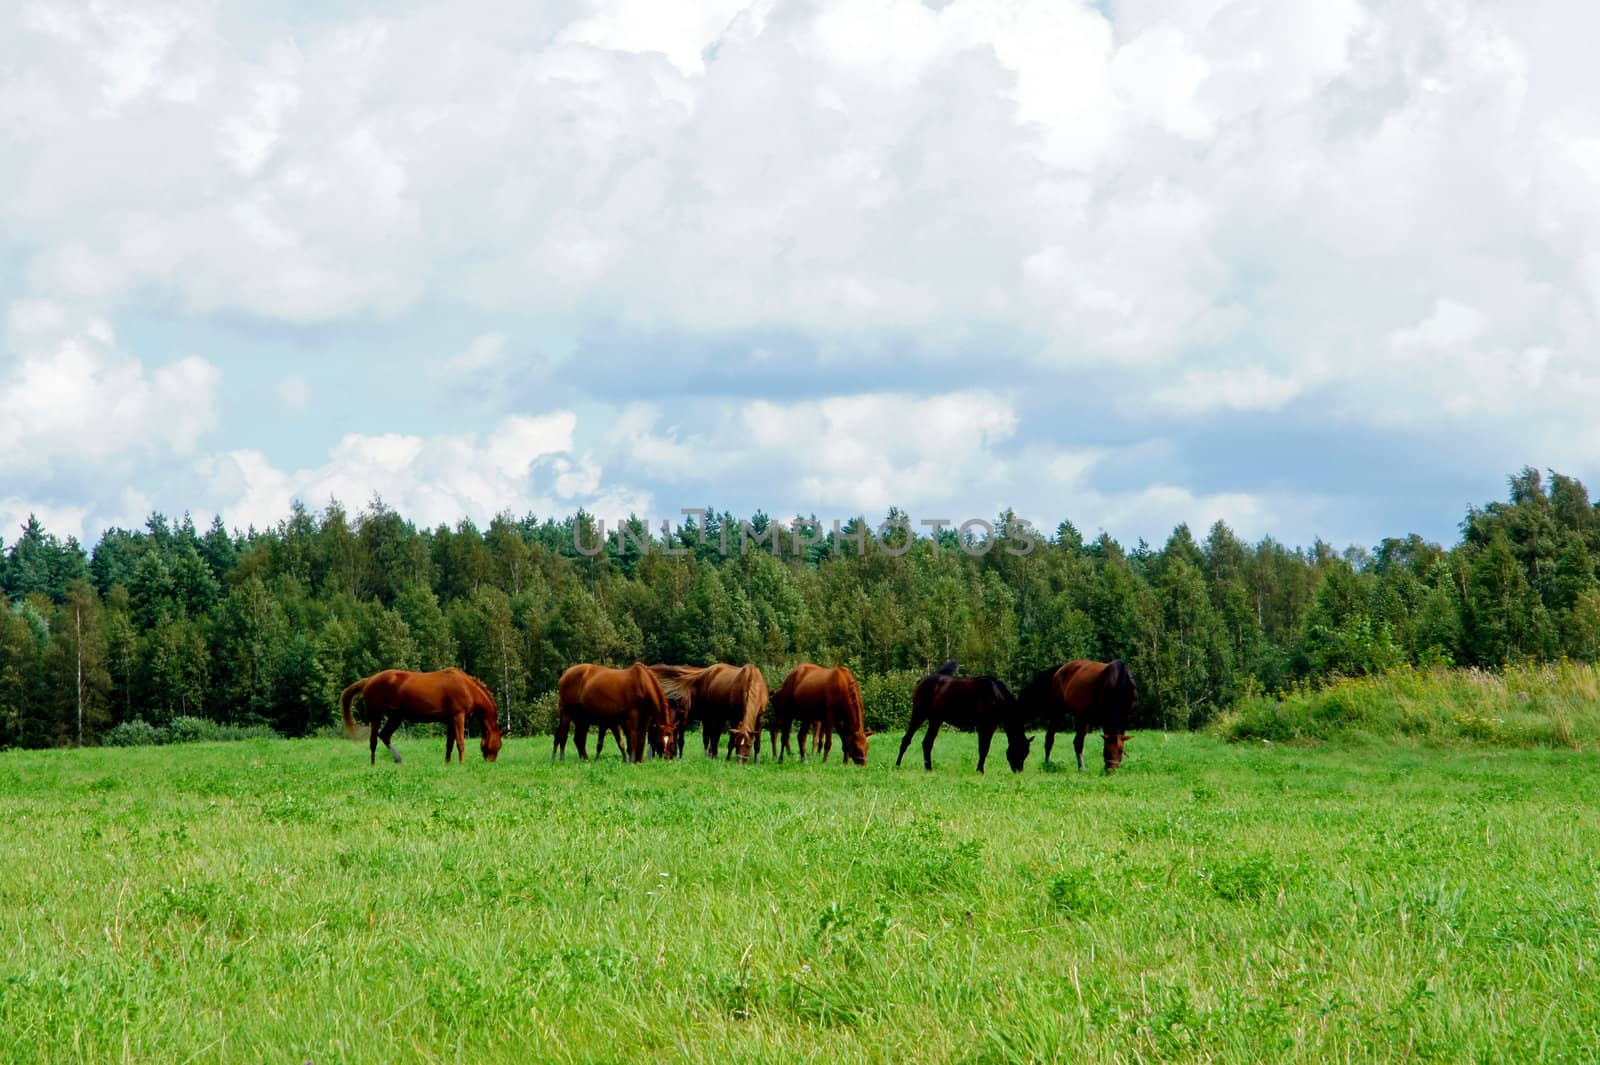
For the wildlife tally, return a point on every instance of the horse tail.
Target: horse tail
(677, 682)
(345, 699)
(755, 695)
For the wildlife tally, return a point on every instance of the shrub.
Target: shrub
(1532, 705)
(135, 733)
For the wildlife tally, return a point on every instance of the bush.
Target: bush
(140, 733)
(886, 699)
(135, 733)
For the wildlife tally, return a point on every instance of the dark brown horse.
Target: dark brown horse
(1093, 695)
(724, 697)
(811, 693)
(630, 698)
(980, 703)
(396, 696)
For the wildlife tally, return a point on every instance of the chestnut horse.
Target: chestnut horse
(981, 703)
(395, 696)
(723, 697)
(811, 693)
(630, 698)
(1094, 694)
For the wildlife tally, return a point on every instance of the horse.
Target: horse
(615, 731)
(631, 698)
(724, 697)
(395, 696)
(1096, 695)
(981, 703)
(811, 693)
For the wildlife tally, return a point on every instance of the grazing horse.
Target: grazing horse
(396, 696)
(630, 698)
(811, 693)
(981, 703)
(723, 697)
(1094, 694)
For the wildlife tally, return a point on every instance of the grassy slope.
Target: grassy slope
(285, 902)
(1545, 705)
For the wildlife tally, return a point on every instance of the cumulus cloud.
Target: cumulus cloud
(1220, 208)
(72, 403)
(524, 465)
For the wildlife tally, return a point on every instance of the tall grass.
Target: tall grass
(1536, 705)
(283, 901)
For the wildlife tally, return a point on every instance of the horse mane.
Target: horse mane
(1119, 680)
(1039, 681)
(948, 669)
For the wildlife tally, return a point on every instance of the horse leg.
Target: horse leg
(916, 723)
(985, 737)
(826, 740)
(927, 743)
(377, 721)
(560, 743)
(387, 733)
(1077, 744)
(580, 728)
(1049, 742)
(636, 740)
(800, 739)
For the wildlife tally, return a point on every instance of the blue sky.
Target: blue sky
(1315, 268)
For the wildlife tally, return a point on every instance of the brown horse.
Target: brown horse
(1094, 694)
(980, 703)
(811, 693)
(723, 697)
(631, 698)
(395, 696)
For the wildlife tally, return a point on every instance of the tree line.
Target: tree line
(265, 627)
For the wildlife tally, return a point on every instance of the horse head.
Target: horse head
(1017, 748)
(741, 741)
(1114, 742)
(490, 744)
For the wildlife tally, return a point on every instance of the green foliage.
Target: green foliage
(1550, 705)
(268, 627)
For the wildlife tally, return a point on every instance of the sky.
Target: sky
(1312, 267)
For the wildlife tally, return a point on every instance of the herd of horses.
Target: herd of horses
(648, 709)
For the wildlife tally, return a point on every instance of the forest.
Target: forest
(263, 628)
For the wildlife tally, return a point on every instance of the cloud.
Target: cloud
(524, 465)
(1380, 218)
(1250, 388)
(72, 403)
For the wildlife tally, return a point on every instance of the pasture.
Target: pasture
(283, 901)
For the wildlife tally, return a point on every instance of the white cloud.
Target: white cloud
(525, 464)
(1219, 205)
(71, 402)
(1250, 388)
(483, 353)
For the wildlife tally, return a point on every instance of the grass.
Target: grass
(282, 901)
(1543, 705)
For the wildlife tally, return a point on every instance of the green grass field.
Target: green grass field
(282, 901)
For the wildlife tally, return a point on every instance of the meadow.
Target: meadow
(283, 901)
